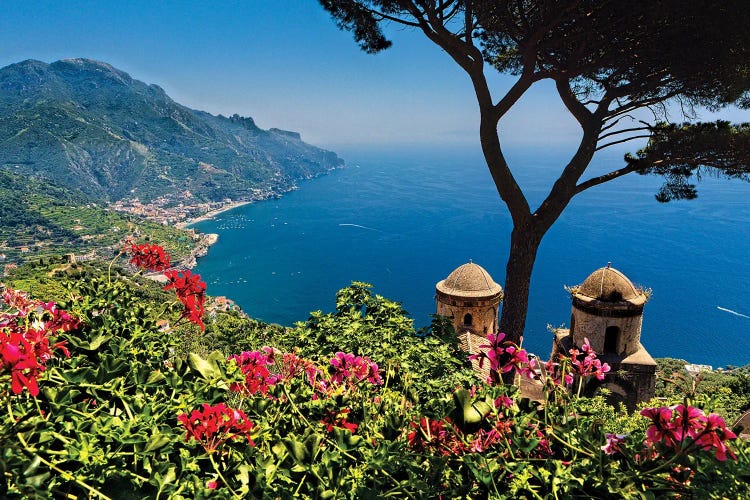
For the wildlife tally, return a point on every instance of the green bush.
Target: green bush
(132, 414)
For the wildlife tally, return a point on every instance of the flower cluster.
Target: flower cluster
(191, 291)
(339, 419)
(258, 378)
(150, 257)
(212, 426)
(555, 374)
(683, 427)
(437, 437)
(290, 365)
(504, 357)
(25, 330)
(267, 367)
(586, 363)
(350, 369)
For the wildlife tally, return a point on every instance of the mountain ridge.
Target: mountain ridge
(87, 125)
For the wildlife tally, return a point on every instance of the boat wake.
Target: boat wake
(732, 312)
(363, 227)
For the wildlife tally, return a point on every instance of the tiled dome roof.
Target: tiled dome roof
(609, 285)
(469, 280)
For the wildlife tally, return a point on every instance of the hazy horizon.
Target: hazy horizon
(285, 64)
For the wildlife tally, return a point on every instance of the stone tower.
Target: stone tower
(471, 298)
(608, 310)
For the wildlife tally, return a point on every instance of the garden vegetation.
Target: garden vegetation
(117, 393)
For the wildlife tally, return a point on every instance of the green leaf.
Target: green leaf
(157, 441)
(208, 368)
(155, 376)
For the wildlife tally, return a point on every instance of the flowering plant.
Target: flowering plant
(504, 357)
(191, 291)
(151, 257)
(329, 414)
(212, 426)
(684, 428)
(25, 331)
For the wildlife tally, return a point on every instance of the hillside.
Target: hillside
(38, 219)
(86, 125)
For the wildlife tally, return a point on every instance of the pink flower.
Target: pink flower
(691, 420)
(715, 436)
(503, 359)
(351, 369)
(586, 364)
(662, 428)
(680, 426)
(503, 402)
(613, 443)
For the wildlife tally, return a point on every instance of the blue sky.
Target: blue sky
(284, 63)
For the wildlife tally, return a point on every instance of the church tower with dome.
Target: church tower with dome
(471, 298)
(608, 311)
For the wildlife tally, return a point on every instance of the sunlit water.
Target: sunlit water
(403, 221)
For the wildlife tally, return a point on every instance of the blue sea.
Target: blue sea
(404, 219)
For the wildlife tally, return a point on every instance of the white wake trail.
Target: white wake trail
(363, 227)
(732, 312)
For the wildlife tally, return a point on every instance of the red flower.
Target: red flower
(339, 419)
(148, 257)
(214, 425)
(25, 339)
(191, 291)
(435, 436)
(258, 378)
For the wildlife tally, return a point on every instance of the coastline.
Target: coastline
(211, 214)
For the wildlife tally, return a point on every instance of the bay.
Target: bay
(404, 219)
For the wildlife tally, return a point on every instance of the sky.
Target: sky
(287, 65)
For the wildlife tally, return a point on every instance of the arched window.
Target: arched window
(572, 324)
(611, 338)
(467, 320)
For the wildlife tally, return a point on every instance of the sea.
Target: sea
(403, 218)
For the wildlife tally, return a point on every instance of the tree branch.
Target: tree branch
(614, 123)
(383, 16)
(646, 126)
(578, 110)
(623, 140)
(595, 181)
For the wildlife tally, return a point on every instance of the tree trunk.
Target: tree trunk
(524, 243)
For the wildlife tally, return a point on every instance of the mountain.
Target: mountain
(86, 125)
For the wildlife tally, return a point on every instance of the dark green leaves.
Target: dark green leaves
(679, 152)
